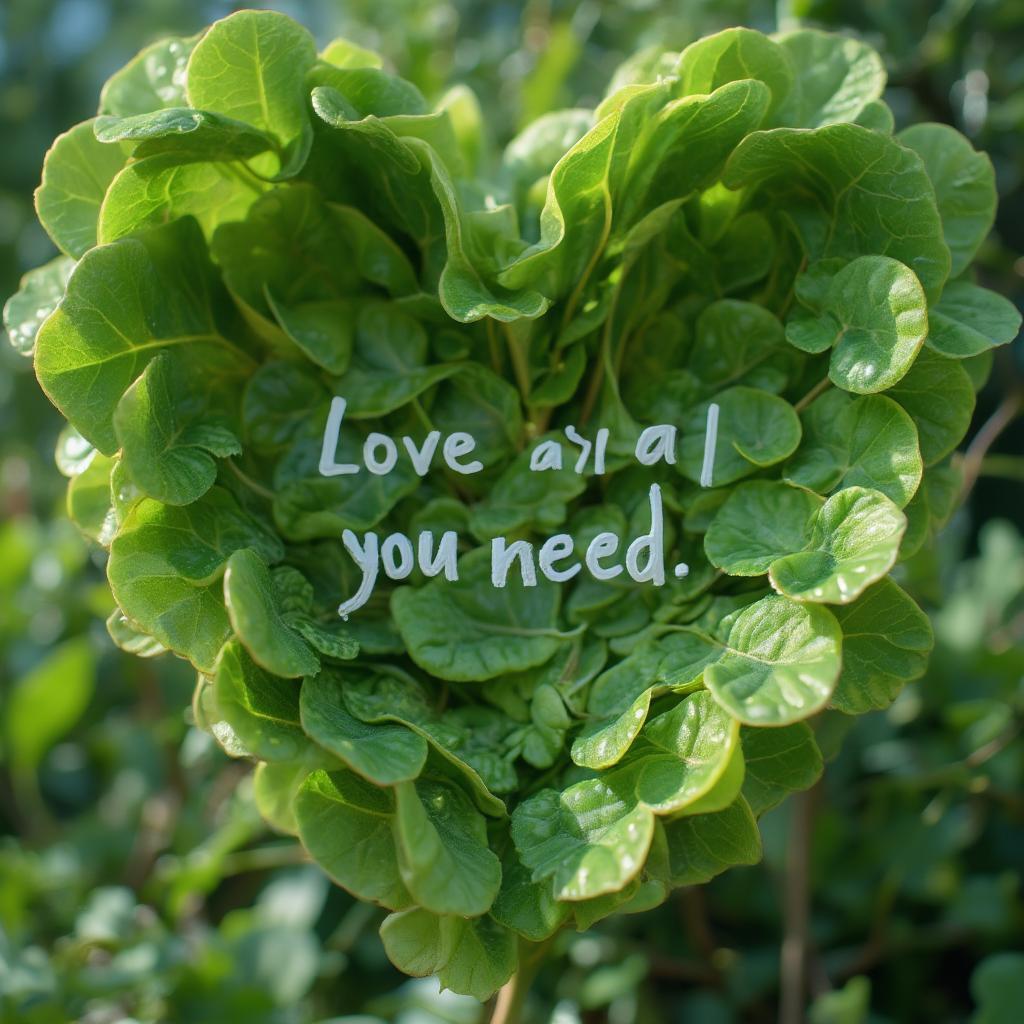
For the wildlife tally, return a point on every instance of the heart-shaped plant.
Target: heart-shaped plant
(250, 230)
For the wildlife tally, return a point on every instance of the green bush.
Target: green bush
(250, 228)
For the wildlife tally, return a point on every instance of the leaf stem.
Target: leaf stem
(596, 380)
(822, 385)
(508, 1007)
(1006, 412)
(796, 912)
(262, 858)
(256, 488)
(577, 292)
(1003, 467)
(497, 363)
(520, 364)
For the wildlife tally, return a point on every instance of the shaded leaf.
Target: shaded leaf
(886, 642)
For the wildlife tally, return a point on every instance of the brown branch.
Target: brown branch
(1006, 412)
(695, 919)
(796, 912)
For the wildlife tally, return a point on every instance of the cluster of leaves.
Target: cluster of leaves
(249, 227)
(913, 867)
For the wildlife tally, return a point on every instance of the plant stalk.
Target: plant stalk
(796, 912)
(508, 1006)
(1007, 411)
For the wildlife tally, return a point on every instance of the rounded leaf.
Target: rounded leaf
(760, 522)
(756, 429)
(965, 187)
(256, 619)
(886, 641)
(345, 824)
(854, 541)
(969, 320)
(881, 314)
(779, 664)
(384, 754)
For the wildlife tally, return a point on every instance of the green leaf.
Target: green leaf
(733, 339)
(469, 630)
(277, 402)
(619, 702)
(965, 187)
(638, 897)
(869, 441)
(875, 319)
(549, 723)
(854, 541)
(130, 638)
(698, 848)
(756, 429)
(308, 505)
(590, 839)
(343, 53)
(522, 497)
(941, 425)
(152, 79)
(760, 521)
(886, 642)
(778, 762)
(46, 702)
(468, 748)
(526, 907)
(165, 570)
(683, 754)
(779, 664)
(483, 405)
(126, 302)
(207, 717)
(38, 294)
(387, 180)
(997, 988)
(442, 849)
(188, 134)
(389, 363)
(323, 330)
(345, 824)
(384, 754)
(160, 188)
(968, 320)
(168, 447)
(379, 257)
(257, 621)
(878, 117)
(575, 219)
(850, 192)
(683, 147)
(262, 709)
(89, 500)
(471, 957)
(252, 67)
(533, 153)
(285, 227)
(275, 785)
(733, 55)
(850, 1004)
(370, 91)
(76, 174)
(838, 77)
(934, 503)
(466, 294)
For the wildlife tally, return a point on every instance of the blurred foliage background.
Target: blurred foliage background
(136, 881)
